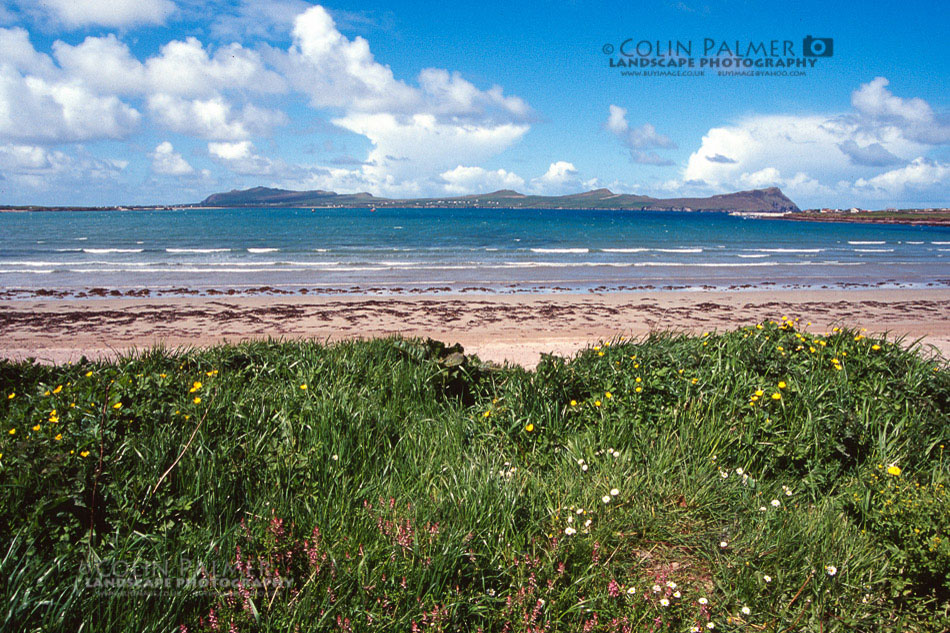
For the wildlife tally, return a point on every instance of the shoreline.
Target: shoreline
(399, 289)
(514, 328)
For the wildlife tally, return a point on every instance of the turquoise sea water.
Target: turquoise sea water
(399, 250)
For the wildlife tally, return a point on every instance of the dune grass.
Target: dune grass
(764, 479)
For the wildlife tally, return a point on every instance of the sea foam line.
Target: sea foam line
(99, 251)
(856, 242)
(262, 250)
(561, 250)
(197, 250)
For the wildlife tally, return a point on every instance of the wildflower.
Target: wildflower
(724, 474)
(710, 625)
(614, 492)
(580, 511)
(486, 414)
(723, 544)
(600, 353)
(197, 400)
(657, 588)
(335, 457)
(875, 347)
(11, 396)
(195, 387)
(529, 428)
(695, 380)
(605, 498)
(638, 389)
(781, 384)
(573, 403)
(695, 629)
(746, 611)
(631, 591)
(664, 602)
(831, 569)
(638, 379)
(303, 387)
(596, 403)
(703, 601)
(776, 396)
(739, 471)
(608, 395)
(59, 436)
(117, 405)
(671, 584)
(762, 509)
(584, 467)
(776, 503)
(84, 454)
(894, 469)
(570, 531)
(58, 389)
(767, 578)
(36, 428)
(677, 594)
(12, 431)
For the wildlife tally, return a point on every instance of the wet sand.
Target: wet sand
(501, 328)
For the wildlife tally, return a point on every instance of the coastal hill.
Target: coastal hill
(770, 200)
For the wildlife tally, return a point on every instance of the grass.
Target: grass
(394, 485)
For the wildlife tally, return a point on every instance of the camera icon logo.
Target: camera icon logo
(818, 46)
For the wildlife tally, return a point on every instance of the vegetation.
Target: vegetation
(764, 479)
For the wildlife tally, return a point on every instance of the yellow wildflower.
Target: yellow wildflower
(58, 389)
(893, 469)
(36, 428)
(776, 396)
(529, 428)
(117, 405)
(84, 454)
(58, 437)
(303, 387)
(197, 400)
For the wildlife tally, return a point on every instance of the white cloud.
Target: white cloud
(212, 118)
(241, 158)
(639, 140)
(34, 109)
(116, 13)
(337, 72)
(560, 178)
(418, 146)
(466, 180)
(166, 161)
(919, 174)
(182, 67)
(256, 18)
(914, 117)
(43, 169)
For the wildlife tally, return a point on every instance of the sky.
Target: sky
(109, 102)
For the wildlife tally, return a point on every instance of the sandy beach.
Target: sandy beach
(501, 328)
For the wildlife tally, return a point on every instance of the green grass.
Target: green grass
(638, 486)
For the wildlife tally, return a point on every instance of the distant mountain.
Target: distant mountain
(770, 200)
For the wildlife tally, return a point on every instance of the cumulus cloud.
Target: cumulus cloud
(420, 146)
(36, 110)
(639, 140)
(920, 174)
(181, 67)
(560, 178)
(212, 118)
(466, 180)
(241, 158)
(914, 117)
(167, 162)
(41, 168)
(116, 13)
(822, 154)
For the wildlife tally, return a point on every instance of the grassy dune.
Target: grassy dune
(394, 485)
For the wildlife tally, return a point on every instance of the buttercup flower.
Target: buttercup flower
(894, 469)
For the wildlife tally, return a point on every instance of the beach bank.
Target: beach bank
(500, 328)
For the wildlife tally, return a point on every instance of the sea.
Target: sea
(267, 250)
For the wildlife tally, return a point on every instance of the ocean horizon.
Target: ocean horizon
(190, 251)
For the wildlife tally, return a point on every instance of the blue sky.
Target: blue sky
(165, 101)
